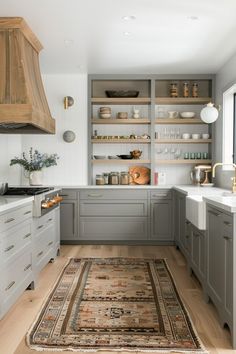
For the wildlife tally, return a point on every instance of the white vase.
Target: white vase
(36, 178)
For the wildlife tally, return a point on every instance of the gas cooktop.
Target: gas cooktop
(27, 190)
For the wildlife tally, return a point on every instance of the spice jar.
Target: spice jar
(195, 90)
(100, 180)
(174, 90)
(113, 178)
(124, 177)
(185, 90)
(105, 176)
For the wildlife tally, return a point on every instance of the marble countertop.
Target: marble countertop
(10, 202)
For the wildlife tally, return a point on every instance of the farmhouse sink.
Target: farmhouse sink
(196, 211)
(196, 206)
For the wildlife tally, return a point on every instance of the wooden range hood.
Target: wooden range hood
(23, 104)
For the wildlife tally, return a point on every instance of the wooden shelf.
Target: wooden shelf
(183, 141)
(178, 121)
(121, 100)
(120, 141)
(182, 162)
(120, 161)
(182, 100)
(120, 121)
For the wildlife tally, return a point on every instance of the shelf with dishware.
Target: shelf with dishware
(183, 141)
(121, 100)
(178, 121)
(121, 121)
(182, 100)
(183, 162)
(120, 141)
(121, 161)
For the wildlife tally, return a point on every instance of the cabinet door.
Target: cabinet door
(161, 220)
(181, 207)
(227, 235)
(198, 254)
(69, 220)
(215, 255)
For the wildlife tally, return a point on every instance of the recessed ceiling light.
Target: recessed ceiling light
(128, 18)
(193, 18)
(127, 34)
(68, 42)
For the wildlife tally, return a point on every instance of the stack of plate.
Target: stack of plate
(105, 112)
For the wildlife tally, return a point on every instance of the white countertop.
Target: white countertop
(227, 203)
(10, 202)
(146, 186)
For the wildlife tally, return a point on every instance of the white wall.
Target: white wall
(72, 165)
(225, 78)
(10, 146)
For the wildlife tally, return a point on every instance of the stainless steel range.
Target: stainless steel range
(45, 198)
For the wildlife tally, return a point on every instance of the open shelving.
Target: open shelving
(153, 93)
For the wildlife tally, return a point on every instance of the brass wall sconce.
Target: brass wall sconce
(68, 102)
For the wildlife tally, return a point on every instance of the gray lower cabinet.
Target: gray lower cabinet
(161, 220)
(113, 215)
(69, 217)
(198, 253)
(220, 283)
(179, 220)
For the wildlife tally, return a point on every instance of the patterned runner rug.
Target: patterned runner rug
(114, 304)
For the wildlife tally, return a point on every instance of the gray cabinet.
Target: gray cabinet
(198, 253)
(113, 215)
(161, 220)
(69, 215)
(220, 283)
(179, 220)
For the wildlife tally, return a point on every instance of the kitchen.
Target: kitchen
(154, 210)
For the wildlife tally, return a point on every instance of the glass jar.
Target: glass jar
(100, 180)
(185, 90)
(124, 177)
(106, 177)
(113, 178)
(195, 90)
(174, 90)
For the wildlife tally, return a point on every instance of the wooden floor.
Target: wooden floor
(16, 323)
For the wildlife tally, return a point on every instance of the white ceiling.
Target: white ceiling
(162, 37)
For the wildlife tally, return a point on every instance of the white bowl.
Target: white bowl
(205, 136)
(196, 136)
(187, 114)
(105, 115)
(186, 136)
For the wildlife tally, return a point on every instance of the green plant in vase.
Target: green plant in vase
(34, 164)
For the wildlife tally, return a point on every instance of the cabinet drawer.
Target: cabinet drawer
(116, 208)
(113, 228)
(113, 194)
(14, 217)
(43, 222)
(161, 194)
(15, 240)
(69, 194)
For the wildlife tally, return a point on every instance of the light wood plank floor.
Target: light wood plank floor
(16, 323)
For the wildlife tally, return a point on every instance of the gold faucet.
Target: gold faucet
(233, 178)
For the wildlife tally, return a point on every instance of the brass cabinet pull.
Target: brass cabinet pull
(96, 195)
(40, 254)
(64, 195)
(27, 235)
(160, 195)
(9, 220)
(50, 243)
(227, 223)
(27, 212)
(27, 267)
(40, 227)
(10, 285)
(213, 213)
(9, 248)
(228, 238)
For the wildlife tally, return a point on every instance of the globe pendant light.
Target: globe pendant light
(209, 114)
